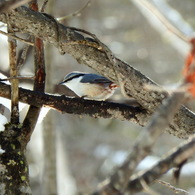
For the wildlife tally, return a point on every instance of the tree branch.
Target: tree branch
(39, 83)
(97, 109)
(172, 159)
(15, 37)
(87, 51)
(171, 187)
(13, 73)
(143, 145)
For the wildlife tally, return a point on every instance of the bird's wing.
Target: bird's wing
(93, 78)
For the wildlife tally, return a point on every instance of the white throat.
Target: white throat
(75, 85)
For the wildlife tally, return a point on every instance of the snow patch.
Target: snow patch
(3, 121)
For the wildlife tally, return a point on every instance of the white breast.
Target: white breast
(76, 86)
(89, 91)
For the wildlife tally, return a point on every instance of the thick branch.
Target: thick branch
(89, 53)
(79, 106)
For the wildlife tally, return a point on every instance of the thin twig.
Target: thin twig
(15, 37)
(22, 56)
(171, 187)
(76, 13)
(147, 188)
(13, 73)
(18, 77)
(43, 7)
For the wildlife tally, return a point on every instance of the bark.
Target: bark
(13, 166)
(79, 106)
(89, 52)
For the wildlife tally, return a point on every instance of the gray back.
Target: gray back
(94, 78)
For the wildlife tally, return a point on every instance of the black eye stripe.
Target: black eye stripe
(75, 76)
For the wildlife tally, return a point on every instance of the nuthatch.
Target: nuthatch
(89, 86)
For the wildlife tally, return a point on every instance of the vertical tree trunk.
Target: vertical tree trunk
(13, 165)
(49, 182)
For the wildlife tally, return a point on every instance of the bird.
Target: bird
(89, 86)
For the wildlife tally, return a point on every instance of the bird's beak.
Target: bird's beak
(60, 83)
